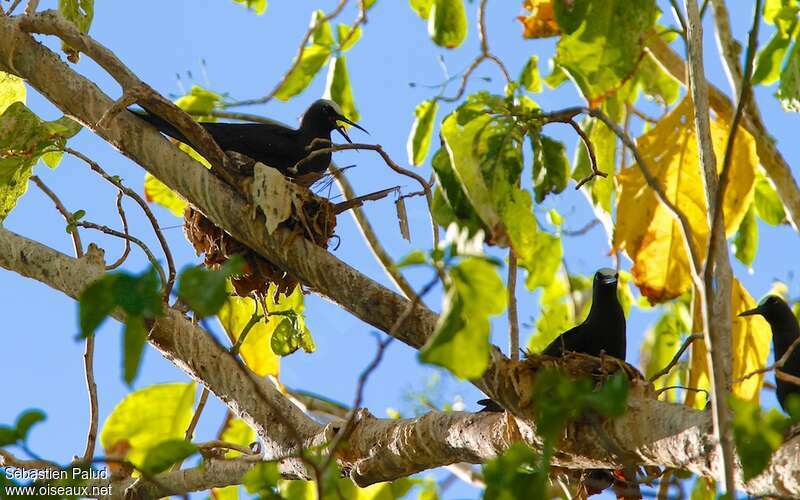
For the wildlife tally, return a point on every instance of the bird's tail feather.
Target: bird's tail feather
(161, 124)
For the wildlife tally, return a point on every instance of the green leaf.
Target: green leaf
(601, 42)
(24, 138)
(289, 337)
(600, 189)
(767, 203)
(147, 417)
(661, 343)
(12, 89)
(344, 38)
(460, 342)
(157, 192)
(204, 290)
(789, 89)
(550, 166)
(746, 239)
(419, 140)
(337, 88)
(199, 101)
(95, 304)
(703, 489)
(413, 258)
(8, 436)
(555, 314)
(262, 479)
(757, 434)
(27, 420)
(655, 82)
(323, 35)
(257, 6)
(514, 474)
(447, 23)
(781, 13)
(134, 339)
(311, 61)
(165, 454)
(556, 77)
(770, 58)
(530, 77)
(450, 196)
(421, 7)
(80, 13)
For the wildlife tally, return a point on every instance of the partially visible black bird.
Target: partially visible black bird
(274, 144)
(603, 330)
(785, 330)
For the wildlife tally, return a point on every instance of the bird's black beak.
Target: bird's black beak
(750, 312)
(342, 130)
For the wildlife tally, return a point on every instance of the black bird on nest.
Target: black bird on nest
(785, 331)
(603, 330)
(275, 144)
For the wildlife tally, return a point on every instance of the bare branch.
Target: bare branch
(124, 221)
(513, 321)
(674, 361)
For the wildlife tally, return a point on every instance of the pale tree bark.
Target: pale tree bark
(651, 432)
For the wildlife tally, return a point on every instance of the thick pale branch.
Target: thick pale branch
(651, 432)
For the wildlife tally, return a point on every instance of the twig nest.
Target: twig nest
(278, 203)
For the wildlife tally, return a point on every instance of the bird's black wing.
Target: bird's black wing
(272, 144)
(570, 341)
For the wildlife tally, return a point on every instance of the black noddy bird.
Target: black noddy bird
(785, 330)
(274, 144)
(603, 330)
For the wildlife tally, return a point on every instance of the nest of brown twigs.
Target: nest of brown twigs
(315, 222)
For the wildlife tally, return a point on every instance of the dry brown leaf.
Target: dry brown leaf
(541, 22)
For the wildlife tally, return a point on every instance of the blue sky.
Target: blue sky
(245, 55)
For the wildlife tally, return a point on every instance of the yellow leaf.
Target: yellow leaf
(12, 89)
(541, 22)
(255, 350)
(147, 417)
(647, 231)
(156, 191)
(751, 342)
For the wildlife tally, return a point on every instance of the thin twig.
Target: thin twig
(13, 6)
(774, 366)
(117, 182)
(198, 412)
(133, 239)
(583, 230)
(124, 221)
(672, 387)
(253, 321)
(589, 149)
(674, 361)
(88, 351)
(513, 320)
(676, 10)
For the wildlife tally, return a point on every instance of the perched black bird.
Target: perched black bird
(785, 330)
(603, 330)
(274, 144)
(490, 406)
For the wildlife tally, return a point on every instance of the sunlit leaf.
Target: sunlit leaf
(80, 13)
(767, 203)
(12, 89)
(746, 240)
(26, 420)
(311, 61)
(199, 101)
(323, 35)
(421, 7)
(460, 342)
(346, 36)
(769, 60)
(540, 20)
(337, 88)
(789, 88)
(601, 42)
(237, 432)
(600, 189)
(147, 417)
(419, 139)
(662, 342)
(647, 231)
(450, 196)
(262, 479)
(447, 23)
(165, 454)
(530, 77)
(751, 337)
(257, 6)
(157, 192)
(24, 138)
